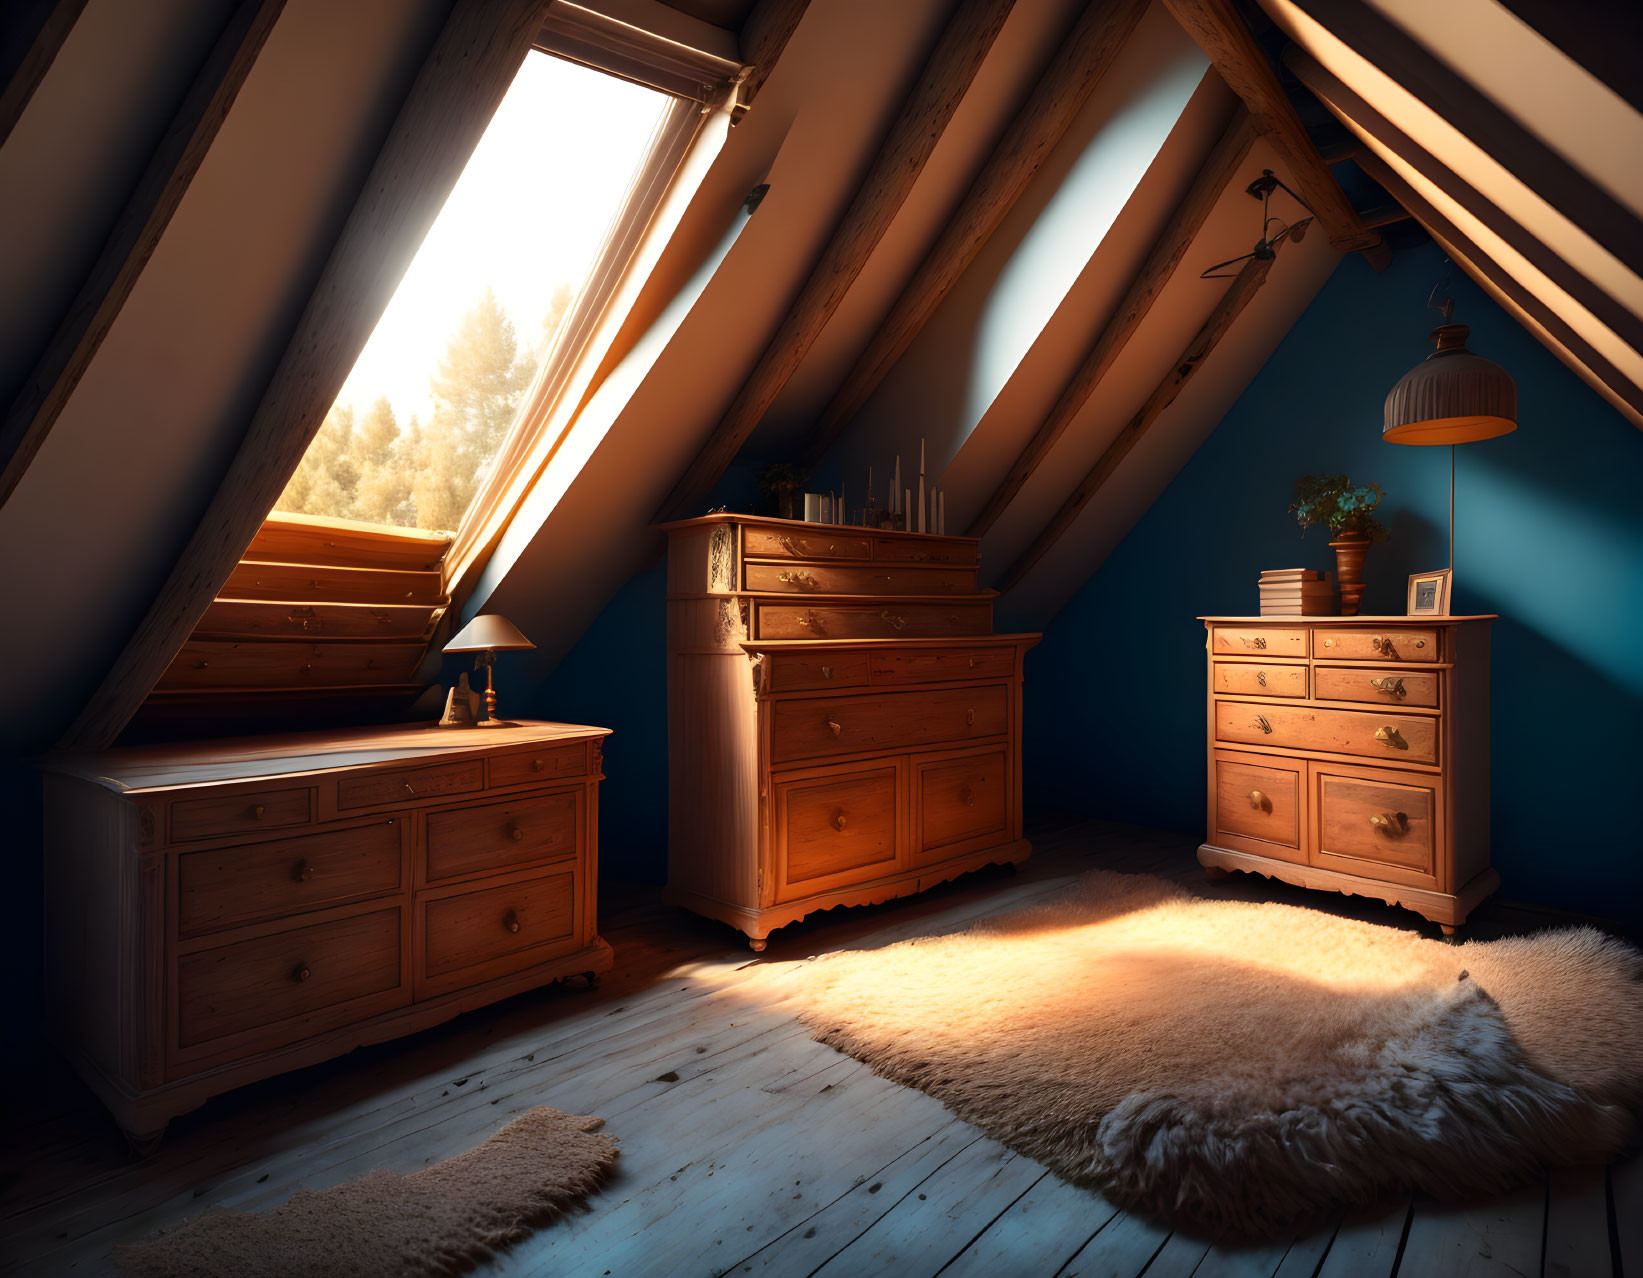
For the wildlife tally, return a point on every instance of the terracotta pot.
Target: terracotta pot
(1350, 549)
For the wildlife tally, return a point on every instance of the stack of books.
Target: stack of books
(1298, 592)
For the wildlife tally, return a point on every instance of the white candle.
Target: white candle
(906, 497)
(921, 527)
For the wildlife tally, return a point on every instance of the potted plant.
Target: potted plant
(1347, 511)
(784, 483)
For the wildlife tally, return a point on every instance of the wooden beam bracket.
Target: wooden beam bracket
(1221, 33)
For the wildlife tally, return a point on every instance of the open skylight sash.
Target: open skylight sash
(631, 53)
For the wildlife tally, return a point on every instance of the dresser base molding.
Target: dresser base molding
(758, 924)
(143, 1115)
(1447, 910)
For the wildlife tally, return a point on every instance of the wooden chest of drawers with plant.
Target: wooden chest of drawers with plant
(1352, 754)
(218, 912)
(843, 727)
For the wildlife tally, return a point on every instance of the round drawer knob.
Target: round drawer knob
(510, 920)
(302, 872)
(968, 795)
(1257, 799)
(839, 822)
(537, 765)
(300, 973)
(257, 812)
(515, 833)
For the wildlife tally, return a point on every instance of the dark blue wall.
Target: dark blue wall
(1550, 536)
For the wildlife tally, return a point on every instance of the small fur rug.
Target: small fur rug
(441, 1220)
(1241, 1068)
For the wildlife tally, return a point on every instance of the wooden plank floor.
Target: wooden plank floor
(747, 1148)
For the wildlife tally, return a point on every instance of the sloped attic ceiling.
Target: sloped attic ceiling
(1512, 132)
(993, 355)
(1086, 256)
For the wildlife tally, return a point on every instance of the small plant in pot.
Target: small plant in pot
(1347, 510)
(783, 484)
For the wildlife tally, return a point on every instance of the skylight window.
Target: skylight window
(490, 303)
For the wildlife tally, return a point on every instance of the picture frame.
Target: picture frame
(1428, 594)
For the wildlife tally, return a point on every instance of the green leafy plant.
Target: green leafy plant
(1338, 504)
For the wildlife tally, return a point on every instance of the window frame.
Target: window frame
(699, 82)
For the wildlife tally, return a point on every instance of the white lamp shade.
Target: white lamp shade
(491, 632)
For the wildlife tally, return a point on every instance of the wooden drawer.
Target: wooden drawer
(1252, 641)
(246, 883)
(861, 579)
(810, 728)
(922, 551)
(240, 813)
(288, 984)
(935, 665)
(473, 935)
(1377, 645)
(1381, 828)
(799, 672)
(1254, 680)
(501, 836)
(410, 783)
(1401, 739)
(1383, 686)
(871, 621)
(1258, 806)
(961, 804)
(834, 829)
(767, 543)
(546, 763)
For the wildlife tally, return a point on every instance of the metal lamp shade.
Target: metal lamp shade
(1451, 397)
(489, 633)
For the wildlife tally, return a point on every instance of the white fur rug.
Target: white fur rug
(1238, 1068)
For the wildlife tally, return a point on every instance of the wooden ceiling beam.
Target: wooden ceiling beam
(1159, 266)
(919, 123)
(53, 20)
(1084, 58)
(1373, 127)
(473, 60)
(1541, 319)
(764, 35)
(1238, 295)
(1222, 35)
(148, 211)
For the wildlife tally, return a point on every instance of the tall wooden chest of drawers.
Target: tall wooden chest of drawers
(843, 725)
(1352, 754)
(218, 912)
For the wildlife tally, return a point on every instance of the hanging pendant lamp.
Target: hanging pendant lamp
(1451, 397)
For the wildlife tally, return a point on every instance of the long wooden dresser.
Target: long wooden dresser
(218, 912)
(843, 727)
(1352, 754)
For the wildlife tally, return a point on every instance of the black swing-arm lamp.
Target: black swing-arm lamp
(1266, 247)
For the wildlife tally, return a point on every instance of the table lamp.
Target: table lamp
(488, 635)
(1451, 397)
